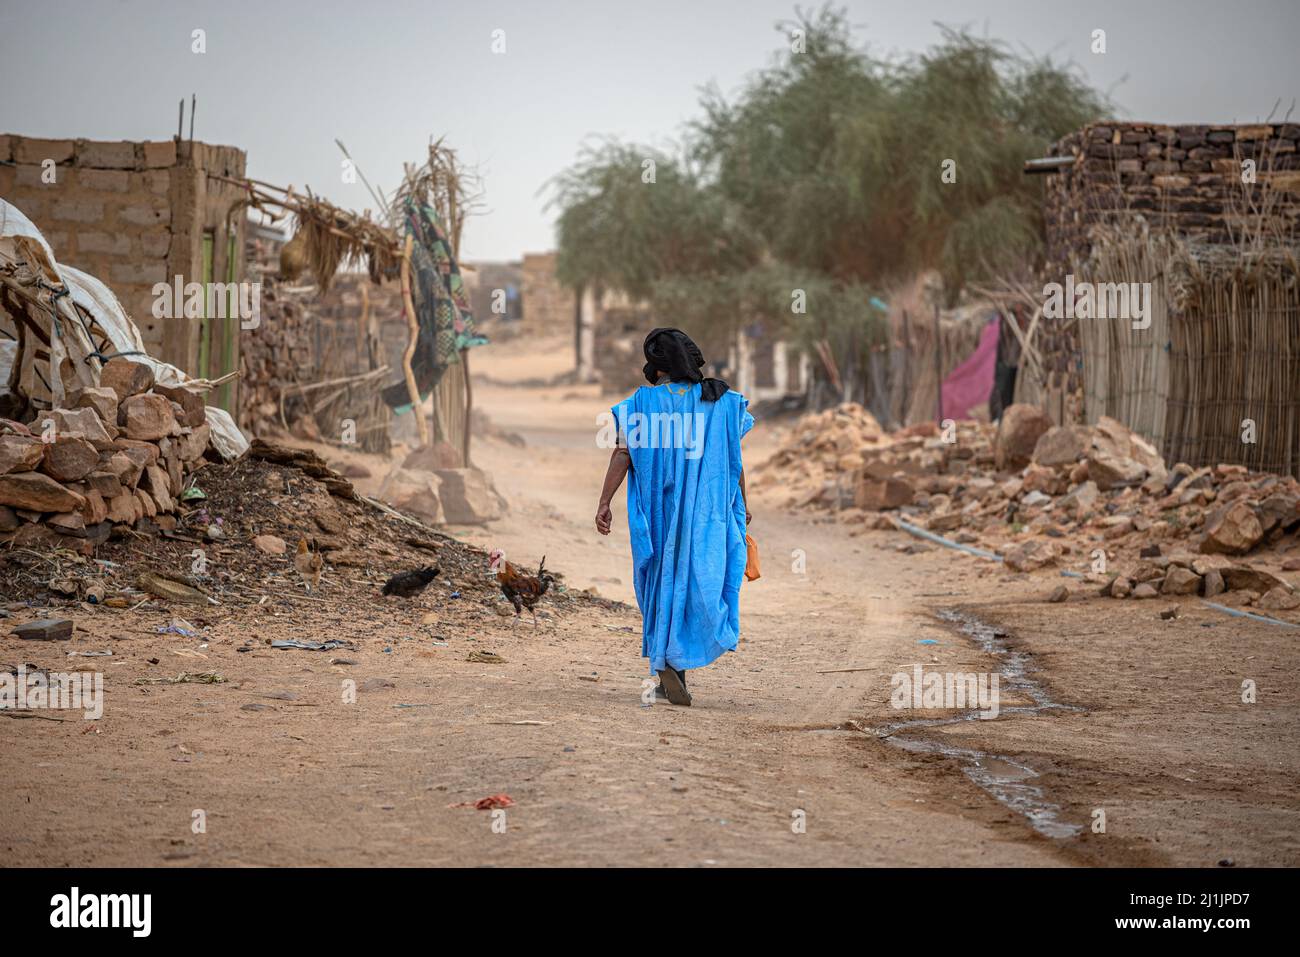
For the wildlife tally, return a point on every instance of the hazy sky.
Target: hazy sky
(282, 78)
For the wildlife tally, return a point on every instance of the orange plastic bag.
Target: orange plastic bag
(751, 558)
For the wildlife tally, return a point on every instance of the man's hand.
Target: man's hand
(749, 516)
(603, 518)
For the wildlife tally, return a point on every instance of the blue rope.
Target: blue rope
(1237, 613)
(945, 542)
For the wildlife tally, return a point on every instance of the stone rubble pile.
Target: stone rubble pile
(430, 485)
(119, 452)
(1098, 499)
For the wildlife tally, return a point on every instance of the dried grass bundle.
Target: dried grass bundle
(1216, 377)
(293, 257)
(1234, 356)
(326, 238)
(443, 183)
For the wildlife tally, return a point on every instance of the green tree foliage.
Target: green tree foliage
(622, 232)
(825, 174)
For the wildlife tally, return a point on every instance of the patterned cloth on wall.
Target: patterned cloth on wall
(441, 305)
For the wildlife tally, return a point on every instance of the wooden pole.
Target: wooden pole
(906, 391)
(453, 238)
(413, 326)
(363, 323)
(938, 364)
(469, 403)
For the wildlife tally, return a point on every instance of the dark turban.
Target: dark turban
(674, 352)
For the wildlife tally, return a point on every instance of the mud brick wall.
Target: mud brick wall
(1188, 178)
(483, 279)
(546, 303)
(132, 214)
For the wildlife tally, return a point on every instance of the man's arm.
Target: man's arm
(619, 464)
(744, 498)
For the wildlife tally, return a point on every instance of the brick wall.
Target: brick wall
(132, 214)
(1188, 178)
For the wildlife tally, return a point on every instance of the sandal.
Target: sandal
(672, 685)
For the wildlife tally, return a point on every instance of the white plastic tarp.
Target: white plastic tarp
(20, 243)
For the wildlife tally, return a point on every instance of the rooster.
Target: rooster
(409, 584)
(309, 565)
(523, 591)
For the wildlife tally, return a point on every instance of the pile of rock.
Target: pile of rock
(1181, 573)
(430, 485)
(1044, 495)
(118, 453)
(842, 459)
(826, 450)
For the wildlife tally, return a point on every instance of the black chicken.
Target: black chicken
(409, 584)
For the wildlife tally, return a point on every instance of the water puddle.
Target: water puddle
(1009, 781)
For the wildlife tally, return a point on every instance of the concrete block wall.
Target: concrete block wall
(131, 214)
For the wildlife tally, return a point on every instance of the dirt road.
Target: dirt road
(780, 762)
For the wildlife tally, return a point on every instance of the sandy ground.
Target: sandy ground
(792, 754)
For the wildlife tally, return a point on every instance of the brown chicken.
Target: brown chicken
(523, 591)
(309, 565)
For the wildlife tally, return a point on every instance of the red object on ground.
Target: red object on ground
(488, 803)
(971, 383)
